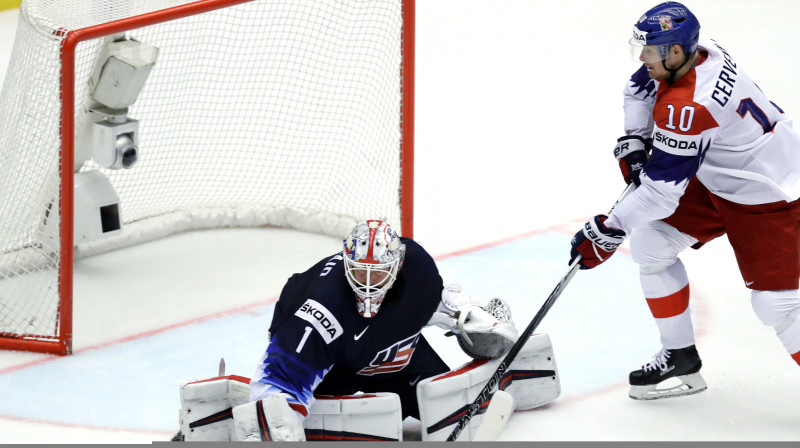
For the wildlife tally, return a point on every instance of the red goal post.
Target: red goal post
(345, 129)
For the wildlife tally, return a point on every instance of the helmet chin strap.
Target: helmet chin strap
(672, 72)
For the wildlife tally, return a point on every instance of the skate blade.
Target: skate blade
(689, 385)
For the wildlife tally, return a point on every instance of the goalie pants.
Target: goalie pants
(425, 363)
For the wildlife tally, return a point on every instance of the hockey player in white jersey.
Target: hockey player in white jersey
(711, 155)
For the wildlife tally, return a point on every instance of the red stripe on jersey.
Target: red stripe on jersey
(393, 364)
(402, 355)
(796, 358)
(676, 111)
(299, 408)
(671, 305)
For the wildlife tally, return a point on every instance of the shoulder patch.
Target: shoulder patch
(320, 318)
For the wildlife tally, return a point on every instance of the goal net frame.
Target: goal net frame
(61, 342)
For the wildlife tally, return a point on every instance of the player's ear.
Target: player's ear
(676, 49)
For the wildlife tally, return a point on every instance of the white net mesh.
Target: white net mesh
(282, 113)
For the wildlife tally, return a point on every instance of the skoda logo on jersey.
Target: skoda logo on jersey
(676, 143)
(320, 318)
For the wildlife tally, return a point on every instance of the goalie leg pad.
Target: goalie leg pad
(206, 407)
(269, 420)
(365, 417)
(531, 379)
(207, 413)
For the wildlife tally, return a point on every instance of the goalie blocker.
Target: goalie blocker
(218, 409)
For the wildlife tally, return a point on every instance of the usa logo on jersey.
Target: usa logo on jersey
(393, 358)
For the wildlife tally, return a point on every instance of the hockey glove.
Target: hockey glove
(632, 152)
(596, 243)
(483, 332)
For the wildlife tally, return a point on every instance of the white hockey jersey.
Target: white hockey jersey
(715, 123)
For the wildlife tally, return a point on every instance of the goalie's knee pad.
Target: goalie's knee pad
(531, 379)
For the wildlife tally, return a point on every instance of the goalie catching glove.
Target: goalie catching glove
(483, 332)
(595, 243)
(632, 152)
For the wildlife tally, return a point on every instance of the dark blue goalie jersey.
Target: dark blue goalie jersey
(316, 325)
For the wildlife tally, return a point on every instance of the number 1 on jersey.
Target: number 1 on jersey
(748, 105)
(303, 340)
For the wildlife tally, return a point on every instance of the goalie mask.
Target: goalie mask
(373, 254)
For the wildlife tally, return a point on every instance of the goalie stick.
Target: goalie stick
(495, 425)
(496, 417)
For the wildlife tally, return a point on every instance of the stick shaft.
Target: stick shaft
(486, 392)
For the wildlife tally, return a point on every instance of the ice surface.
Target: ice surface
(518, 106)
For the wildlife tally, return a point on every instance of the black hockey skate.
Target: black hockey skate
(668, 367)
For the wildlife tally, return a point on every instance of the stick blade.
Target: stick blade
(496, 417)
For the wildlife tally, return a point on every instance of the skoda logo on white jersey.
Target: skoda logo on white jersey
(321, 318)
(677, 144)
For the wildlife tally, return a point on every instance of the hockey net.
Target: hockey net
(290, 113)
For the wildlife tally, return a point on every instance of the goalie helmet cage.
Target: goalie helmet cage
(289, 113)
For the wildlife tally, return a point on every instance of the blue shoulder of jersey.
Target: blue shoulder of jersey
(643, 83)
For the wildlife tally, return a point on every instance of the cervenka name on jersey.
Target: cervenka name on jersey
(320, 318)
(677, 144)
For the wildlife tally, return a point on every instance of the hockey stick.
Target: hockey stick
(495, 418)
(486, 393)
